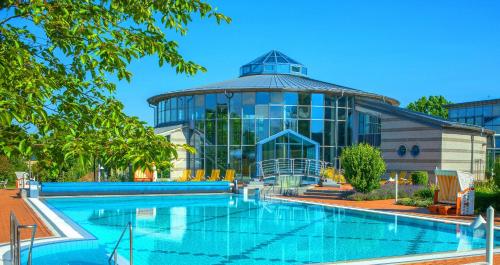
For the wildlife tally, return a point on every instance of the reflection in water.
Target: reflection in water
(224, 229)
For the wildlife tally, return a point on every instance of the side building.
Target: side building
(274, 110)
(485, 113)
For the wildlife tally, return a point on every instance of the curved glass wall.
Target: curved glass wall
(227, 126)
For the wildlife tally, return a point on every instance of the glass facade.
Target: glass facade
(485, 114)
(369, 129)
(227, 126)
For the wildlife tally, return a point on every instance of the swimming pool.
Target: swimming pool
(225, 229)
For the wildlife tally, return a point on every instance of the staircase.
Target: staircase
(330, 194)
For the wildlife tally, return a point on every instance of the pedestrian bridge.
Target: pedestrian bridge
(289, 174)
(292, 167)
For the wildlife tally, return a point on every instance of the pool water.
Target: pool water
(225, 229)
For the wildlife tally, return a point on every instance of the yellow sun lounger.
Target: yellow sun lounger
(229, 175)
(200, 175)
(215, 175)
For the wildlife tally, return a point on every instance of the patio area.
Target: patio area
(11, 202)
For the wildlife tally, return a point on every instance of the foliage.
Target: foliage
(434, 105)
(56, 58)
(423, 197)
(363, 166)
(416, 202)
(8, 167)
(484, 199)
(420, 177)
(425, 193)
(487, 186)
(497, 173)
(386, 191)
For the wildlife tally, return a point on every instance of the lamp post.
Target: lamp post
(489, 225)
(229, 95)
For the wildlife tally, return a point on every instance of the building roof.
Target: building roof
(422, 117)
(473, 103)
(277, 82)
(273, 62)
(273, 57)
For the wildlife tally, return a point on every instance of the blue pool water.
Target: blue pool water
(224, 229)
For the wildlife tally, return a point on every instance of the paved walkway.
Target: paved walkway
(10, 202)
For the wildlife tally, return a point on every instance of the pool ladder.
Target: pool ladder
(15, 239)
(114, 253)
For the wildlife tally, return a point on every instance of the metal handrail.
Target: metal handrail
(15, 239)
(114, 253)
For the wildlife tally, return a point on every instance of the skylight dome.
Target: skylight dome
(273, 62)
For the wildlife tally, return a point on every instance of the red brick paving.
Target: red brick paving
(9, 201)
(458, 261)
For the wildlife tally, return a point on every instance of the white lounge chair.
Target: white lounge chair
(4, 183)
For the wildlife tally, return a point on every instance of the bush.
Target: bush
(497, 173)
(416, 202)
(363, 166)
(420, 178)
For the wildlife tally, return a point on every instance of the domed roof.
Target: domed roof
(273, 62)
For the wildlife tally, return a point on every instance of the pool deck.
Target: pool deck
(387, 205)
(9, 201)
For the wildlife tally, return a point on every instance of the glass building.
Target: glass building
(484, 113)
(273, 110)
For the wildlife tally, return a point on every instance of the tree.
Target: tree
(434, 105)
(9, 166)
(363, 166)
(56, 58)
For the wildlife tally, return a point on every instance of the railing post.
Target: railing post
(18, 246)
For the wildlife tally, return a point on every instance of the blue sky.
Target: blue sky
(402, 49)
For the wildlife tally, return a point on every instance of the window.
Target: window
(317, 131)
(304, 128)
(262, 127)
(291, 98)
(317, 100)
(261, 111)
(276, 98)
(262, 98)
(248, 132)
(248, 98)
(304, 112)
(296, 69)
(235, 105)
(369, 129)
(304, 99)
(402, 150)
(210, 132)
(235, 132)
(276, 112)
(249, 112)
(222, 106)
(415, 150)
(317, 113)
(291, 112)
(276, 126)
(210, 106)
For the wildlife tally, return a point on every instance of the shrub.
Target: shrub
(417, 202)
(425, 193)
(420, 178)
(363, 166)
(497, 173)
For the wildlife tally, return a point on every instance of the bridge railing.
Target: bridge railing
(292, 167)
